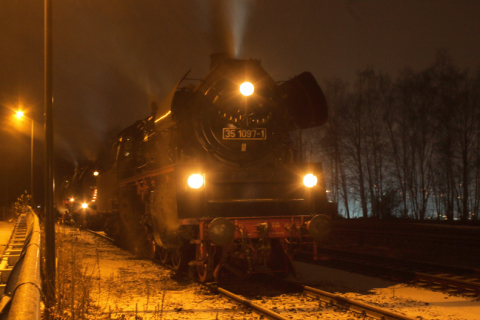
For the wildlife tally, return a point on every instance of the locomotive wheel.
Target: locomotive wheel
(153, 252)
(204, 267)
(163, 254)
(176, 259)
(202, 271)
(146, 246)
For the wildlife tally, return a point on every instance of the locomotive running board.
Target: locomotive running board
(145, 175)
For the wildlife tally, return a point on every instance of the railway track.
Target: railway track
(451, 279)
(447, 278)
(101, 235)
(313, 302)
(274, 298)
(177, 297)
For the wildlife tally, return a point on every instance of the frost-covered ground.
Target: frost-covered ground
(400, 298)
(123, 286)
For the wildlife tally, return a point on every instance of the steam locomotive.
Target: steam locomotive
(212, 181)
(78, 194)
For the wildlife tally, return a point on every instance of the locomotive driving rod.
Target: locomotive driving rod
(252, 305)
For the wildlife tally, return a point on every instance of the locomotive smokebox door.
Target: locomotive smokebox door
(237, 113)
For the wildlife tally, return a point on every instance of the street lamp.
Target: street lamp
(20, 115)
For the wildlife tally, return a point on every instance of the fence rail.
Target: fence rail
(22, 292)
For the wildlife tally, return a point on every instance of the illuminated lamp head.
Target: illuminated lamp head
(247, 89)
(221, 231)
(84, 205)
(95, 173)
(195, 181)
(19, 114)
(310, 180)
(72, 199)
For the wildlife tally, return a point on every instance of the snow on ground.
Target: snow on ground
(124, 286)
(407, 300)
(128, 287)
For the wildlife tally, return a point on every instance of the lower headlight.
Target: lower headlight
(195, 181)
(310, 180)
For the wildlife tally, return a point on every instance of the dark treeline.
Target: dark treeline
(407, 147)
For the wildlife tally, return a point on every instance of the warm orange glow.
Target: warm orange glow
(95, 173)
(19, 114)
(310, 180)
(195, 181)
(247, 89)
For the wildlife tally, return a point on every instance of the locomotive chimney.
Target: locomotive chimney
(217, 58)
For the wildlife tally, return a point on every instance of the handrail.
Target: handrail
(27, 294)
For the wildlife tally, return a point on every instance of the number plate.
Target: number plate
(245, 134)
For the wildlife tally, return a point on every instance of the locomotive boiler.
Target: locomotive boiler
(212, 179)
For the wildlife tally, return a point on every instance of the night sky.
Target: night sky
(113, 57)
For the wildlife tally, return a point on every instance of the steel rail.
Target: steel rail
(395, 266)
(354, 306)
(250, 304)
(449, 281)
(101, 235)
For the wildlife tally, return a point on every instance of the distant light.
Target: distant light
(95, 173)
(195, 181)
(84, 205)
(310, 180)
(19, 114)
(247, 89)
(72, 199)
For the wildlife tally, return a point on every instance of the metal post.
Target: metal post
(31, 167)
(49, 199)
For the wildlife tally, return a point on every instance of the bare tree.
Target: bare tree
(332, 141)
(465, 133)
(446, 83)
(398, 131)
(355, 142)
(414, 143)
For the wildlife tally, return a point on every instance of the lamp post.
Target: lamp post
(49, 181)
(20, 115)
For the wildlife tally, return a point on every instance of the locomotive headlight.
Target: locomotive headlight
(310, 180)
(84, 205)
(247, 89)
(195, 181)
